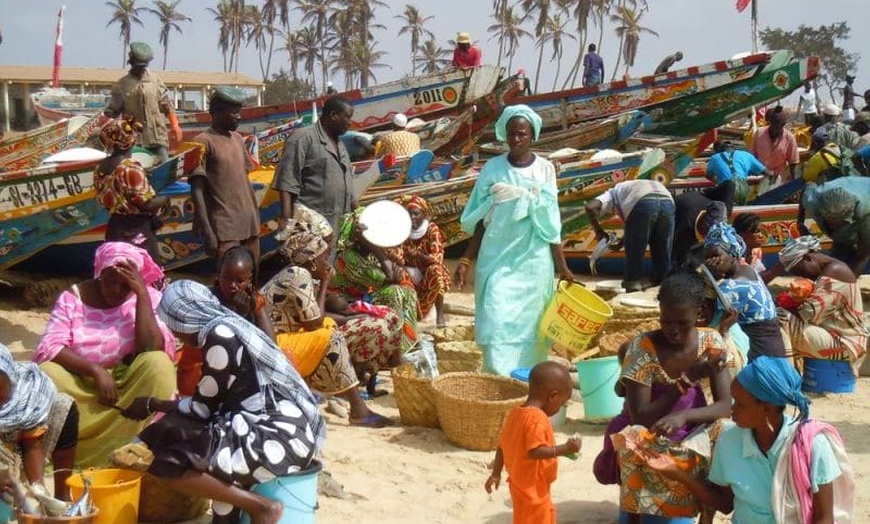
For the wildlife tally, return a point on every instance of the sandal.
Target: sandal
(373, 420)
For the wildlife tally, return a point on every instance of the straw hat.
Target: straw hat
(463, 38)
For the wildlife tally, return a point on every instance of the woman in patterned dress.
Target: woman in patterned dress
(665, 407)
(745, 290)
(251, 419)
(297, 297)
(423, 258)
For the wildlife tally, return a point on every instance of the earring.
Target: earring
(769, 425)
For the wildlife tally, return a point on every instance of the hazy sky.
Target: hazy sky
(705, 30)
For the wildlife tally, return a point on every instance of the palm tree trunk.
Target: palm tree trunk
(577, 63)
(538, 69)
(269, 58)
(126, 44)
(510, 63)
(558, 70)
(165, 53)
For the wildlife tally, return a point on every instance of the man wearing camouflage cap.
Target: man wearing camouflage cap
(143, 95)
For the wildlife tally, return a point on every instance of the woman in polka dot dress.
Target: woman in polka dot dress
(252, 417)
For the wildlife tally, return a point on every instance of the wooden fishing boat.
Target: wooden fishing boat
(374, 107)
(600, 134)
(29, 149)
(178, 245)
(716, 107)
(562, 109)
(53, 104)
(42, 206)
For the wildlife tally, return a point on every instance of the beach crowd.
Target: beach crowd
(224, 383)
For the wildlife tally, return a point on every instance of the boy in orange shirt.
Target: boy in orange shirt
(528, 448)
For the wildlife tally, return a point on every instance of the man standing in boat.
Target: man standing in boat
(593, 67)
(775, 146)
(315, 169)
(144, 96)
(225, 207)
(668, 62)
(465, 56)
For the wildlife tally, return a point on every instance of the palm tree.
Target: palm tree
(308, 46)
(582, 12)
(542, 8)
(499, 7)
(629, 30)
(344, 32)
(125, 14)
(275, 10)
(362, 60)
(510, 30)
(363, 11)
(432, 57)
(414, 25)
(256, 29)
(229, 14)
(316, 13)
(555, 32)
(169, 18)
(622, 4)
(291, 47)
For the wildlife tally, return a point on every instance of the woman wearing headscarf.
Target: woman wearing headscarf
(373, 274)
(744, 290)
(772, 467)
(122, 187)
(37, 421)
(423, 258)
(251, 419)
(104, 345)
(828, 324)
(513, 217)
(296, 300)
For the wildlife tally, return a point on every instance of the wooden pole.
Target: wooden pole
(754, 26)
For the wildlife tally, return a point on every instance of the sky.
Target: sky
(704, 30)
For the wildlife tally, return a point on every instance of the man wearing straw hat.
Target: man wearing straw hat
(465, 56)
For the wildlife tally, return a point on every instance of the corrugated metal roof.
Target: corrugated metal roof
(98, 75)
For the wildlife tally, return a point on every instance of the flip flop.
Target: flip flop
(372, 421)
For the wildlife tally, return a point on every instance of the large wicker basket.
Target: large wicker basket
(414, 398)
(472, 407)
(457, 356)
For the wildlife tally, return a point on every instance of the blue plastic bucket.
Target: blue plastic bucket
(559, 419)
(5, 512)
(597, 377)
(828, 376)
(298, 493)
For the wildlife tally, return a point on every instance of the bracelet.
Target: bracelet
(465, 261)
(148, 406)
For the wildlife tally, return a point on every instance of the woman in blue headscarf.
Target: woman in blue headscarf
(772, 466)
(744, 290)
(513, 217)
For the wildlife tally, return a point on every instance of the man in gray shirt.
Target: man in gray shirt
(315, 169)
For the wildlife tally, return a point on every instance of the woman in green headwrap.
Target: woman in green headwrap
(513, 217)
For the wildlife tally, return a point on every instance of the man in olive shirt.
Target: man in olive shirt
(143, 95)
(225, 207)
(315, 169)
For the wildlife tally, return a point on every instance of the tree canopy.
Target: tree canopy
(824, 41)
(283, 87)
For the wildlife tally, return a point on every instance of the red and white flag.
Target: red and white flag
(58, 48)
(742, 5)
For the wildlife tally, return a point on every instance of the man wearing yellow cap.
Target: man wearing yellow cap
(465, 56)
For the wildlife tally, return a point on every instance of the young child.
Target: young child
(528, 447)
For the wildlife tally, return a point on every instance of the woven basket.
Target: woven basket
(157, 503)
(453, 333)
(414, 398)
(610, 342)
(459, 350)
(472, 407)
(457, 366)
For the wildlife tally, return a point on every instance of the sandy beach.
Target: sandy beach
(410, 474)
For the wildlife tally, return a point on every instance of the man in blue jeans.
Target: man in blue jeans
(647, 208)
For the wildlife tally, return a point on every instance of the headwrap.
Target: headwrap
(774, 380)
(796, 249)
(410, 201)
(111, 253)
(189, 307)
(31, 397)
(723, 236)
(837, 204)
(303, 244)
(120, 133)
(520, 110)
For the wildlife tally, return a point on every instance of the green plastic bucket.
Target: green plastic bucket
(597, 377)
(298, 493)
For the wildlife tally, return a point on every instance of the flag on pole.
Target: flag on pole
(742, 5)
(58, 48)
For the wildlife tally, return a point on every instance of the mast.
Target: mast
(58, 48)
(754, 26)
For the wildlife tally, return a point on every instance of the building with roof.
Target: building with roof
(189, 89)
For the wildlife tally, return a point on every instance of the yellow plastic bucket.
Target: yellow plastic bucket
(115, 492)
(574, 316)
